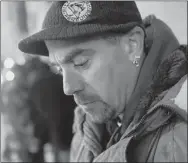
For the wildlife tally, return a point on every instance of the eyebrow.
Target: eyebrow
(70, 56)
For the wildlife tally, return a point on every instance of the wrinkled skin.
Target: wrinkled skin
(98, 73)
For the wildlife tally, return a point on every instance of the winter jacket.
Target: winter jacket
(154, 126)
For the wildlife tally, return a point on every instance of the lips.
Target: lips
(82, 102)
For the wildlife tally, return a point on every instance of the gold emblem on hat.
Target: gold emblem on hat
(76, 11)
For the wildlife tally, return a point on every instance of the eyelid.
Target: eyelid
(81, 64)
(80, 60)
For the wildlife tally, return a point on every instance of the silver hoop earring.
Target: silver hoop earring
(135, 61)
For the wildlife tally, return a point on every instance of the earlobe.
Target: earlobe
(136, 41)
(133, 43)
(133, 46)
(125, 44)
(128, 47)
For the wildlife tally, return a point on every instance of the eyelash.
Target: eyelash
(59, 69)
(81, 65)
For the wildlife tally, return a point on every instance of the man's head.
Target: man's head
(99, 71)
(95, 52)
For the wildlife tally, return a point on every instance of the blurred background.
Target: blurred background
(36, 123)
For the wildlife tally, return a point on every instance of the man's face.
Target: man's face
(95, 73)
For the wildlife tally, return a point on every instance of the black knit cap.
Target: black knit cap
(71, 19)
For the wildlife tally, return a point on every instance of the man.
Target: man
(124, 74)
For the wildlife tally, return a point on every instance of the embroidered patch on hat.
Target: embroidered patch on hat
(76, 11)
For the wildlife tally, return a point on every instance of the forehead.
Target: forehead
(85, 40)
(63, 48)
(53, 44)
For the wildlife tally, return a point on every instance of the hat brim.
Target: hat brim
(35, 44)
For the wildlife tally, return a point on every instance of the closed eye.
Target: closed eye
(81, 64)
(80, 61)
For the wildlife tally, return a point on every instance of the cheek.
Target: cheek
(101, 77)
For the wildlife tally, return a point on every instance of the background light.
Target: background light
(8, 63)
(10, 76)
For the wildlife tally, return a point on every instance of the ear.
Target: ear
(133, 42)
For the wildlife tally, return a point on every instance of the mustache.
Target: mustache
(84, 98)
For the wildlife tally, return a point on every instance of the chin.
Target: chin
(98, 119)
(98, 113)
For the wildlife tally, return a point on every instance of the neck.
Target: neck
(134, 79)
(138, 69)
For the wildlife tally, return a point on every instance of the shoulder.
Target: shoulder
(172, 145)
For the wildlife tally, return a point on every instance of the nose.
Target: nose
(72, 82)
